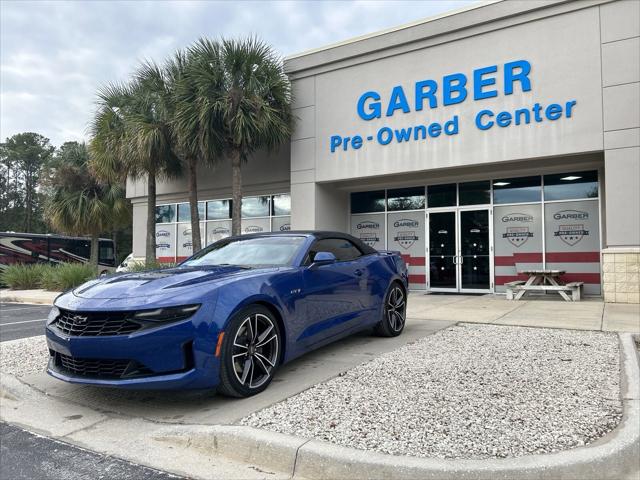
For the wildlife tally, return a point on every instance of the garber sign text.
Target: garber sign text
(451, 90)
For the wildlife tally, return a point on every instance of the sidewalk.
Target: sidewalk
(38, 296)
(589, 314)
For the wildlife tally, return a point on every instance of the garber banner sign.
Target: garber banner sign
(453, 89)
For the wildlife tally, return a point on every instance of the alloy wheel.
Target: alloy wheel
(255, 350)
(395, 309)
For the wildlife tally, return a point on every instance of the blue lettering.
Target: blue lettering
(451, 127)
(484, 113)
(389, 136)
(435, 130)
(568, 108)
(356, 142)
(449, 87)
(421, 94)
(510, 76)
(553, 111)
(479, 82)
(336, 141)
(503, 119)
(373, 108)
(419, 130)
(403, 135)
(397, 101)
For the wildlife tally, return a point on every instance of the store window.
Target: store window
(441, 195)
(569, 186)
(572, 242)
(218, 209)
(474, 193)
(281, 205)
(517, 231)
(517, 190)
(165, 213)
(184, 211)
(370, 228)
(255, 207)
(405, 199)
(406, 234)
(365, 202)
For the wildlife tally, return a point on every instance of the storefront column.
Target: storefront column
(620, 37)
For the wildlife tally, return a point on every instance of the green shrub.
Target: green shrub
(68, 275)
(23, 277)
(142, 267)
(50, 277)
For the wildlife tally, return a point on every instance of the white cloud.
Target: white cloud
(55, 55)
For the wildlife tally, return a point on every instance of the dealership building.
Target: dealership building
(481, 143)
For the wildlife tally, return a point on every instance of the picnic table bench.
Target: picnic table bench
(544, 280)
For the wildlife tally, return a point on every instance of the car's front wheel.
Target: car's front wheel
(250, 352)
(394, 312)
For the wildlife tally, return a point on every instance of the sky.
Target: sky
(55, 55)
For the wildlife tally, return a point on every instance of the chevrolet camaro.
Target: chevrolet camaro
(228, 316)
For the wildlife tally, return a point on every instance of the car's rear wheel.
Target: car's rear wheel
(250, 352)
(394, 312)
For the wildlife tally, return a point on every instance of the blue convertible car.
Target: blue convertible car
(228, 316)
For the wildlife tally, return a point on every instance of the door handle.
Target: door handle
(358, 272)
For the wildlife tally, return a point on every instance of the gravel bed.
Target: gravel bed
(470, 391)
(24, 356)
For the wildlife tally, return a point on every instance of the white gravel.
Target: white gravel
(470, 391)
(24, 356)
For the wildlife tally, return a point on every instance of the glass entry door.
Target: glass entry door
(460, 250)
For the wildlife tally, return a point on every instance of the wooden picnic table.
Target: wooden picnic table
(544, 280)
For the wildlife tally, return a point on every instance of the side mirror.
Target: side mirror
(323, 258)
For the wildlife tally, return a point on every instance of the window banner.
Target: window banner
(370, 228)
(572, 240)
(255, 225)
(281, 224)
(517, 242)
(185, 244)
(406, 234)
(166, 242)
(217, 230)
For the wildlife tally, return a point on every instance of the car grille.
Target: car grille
(83, 324)
(97, 368)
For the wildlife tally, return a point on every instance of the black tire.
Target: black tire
(243, 357)
(394, 312)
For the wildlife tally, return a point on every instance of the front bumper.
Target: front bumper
(173, 356)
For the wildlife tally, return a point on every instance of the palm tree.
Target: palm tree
(243, 103)
(132, 136)
(189, 129)
(78, 202)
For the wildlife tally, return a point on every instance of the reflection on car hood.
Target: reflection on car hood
(158, 282)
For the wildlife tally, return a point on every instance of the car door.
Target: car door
(333, 295)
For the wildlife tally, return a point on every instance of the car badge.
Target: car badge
(79, 319)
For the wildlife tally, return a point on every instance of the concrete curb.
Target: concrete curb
(39, 296)
(612, 457)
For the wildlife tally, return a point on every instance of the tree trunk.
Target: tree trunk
(236, 185)
(150, 248)
(193, 204)
(95, 246)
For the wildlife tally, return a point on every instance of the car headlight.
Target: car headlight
(53, 314)
(169, 314)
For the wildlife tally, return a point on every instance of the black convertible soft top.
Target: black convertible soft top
(318, 234)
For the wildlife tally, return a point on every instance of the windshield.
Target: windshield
(251, 252)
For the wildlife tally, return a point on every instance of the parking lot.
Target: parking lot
(19, 320)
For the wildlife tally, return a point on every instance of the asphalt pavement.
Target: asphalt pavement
(20, 320)
(25, 456)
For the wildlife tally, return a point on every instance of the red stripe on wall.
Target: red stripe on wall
(573, 257)
(502, 279)
(414, 261)
(181, 259)
(581, 277)
(166, 259)
(417, 278)
(511, 260)
(591, 278)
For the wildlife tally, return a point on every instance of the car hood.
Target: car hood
(167, 283)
